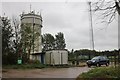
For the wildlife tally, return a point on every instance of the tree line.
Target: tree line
(86, 54)
(51, 42)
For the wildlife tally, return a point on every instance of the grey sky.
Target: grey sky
(71, 18)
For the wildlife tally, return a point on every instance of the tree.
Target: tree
(8, 55)
(48, 42)
(109, 9)
(60, 41)
(6, 35)
(26, 38)
(71, 55)
(17, 37)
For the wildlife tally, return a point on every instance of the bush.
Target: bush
(101, 72)
(9, 59)
(25, 66)
(34, 62)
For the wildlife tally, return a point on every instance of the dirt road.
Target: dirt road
(72, 72)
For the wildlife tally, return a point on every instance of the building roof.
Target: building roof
(57, 49)
(32, 13)
(38, 53)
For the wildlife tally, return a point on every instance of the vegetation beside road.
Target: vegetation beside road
(38, 66)
(24, 66)
(101, 72)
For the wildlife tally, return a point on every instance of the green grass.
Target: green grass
(33, 66)
(101, 72)
(24, 66)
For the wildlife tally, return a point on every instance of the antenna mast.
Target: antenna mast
(91, 25)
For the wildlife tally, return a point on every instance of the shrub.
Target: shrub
(34, 62)
(25, 66)
(9, 59)
(101, 72)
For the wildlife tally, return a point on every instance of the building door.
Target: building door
(42, 58)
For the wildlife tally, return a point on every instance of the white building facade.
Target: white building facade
(56, 57)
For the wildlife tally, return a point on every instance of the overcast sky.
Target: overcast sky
(70, 18)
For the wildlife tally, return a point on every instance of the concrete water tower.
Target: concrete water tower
(35, 23)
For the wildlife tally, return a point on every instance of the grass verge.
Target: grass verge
(24, 66)
(105, 73)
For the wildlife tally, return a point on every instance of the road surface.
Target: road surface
(72, 72)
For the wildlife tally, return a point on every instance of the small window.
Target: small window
(104, 58)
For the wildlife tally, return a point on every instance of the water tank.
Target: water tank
(35, 23)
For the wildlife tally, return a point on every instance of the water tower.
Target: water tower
(34, 21)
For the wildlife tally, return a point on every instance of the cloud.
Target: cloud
(71, 18)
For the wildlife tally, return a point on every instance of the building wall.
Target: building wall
(56, 57)
(36, 57)
(29, 18)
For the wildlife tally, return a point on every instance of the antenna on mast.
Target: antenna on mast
(30, 8)
(40, 11)
(4, 14)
